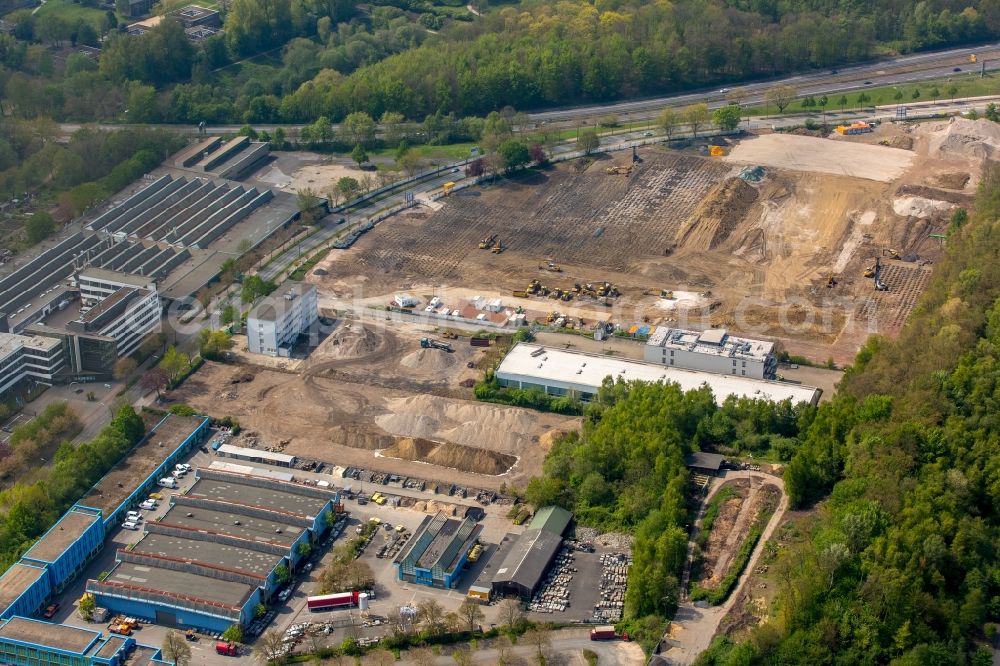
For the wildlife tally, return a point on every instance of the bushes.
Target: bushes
(490, 391)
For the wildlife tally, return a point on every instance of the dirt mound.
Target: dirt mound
(549, 438)
(354, 341)
(409, 448)
(456, 456)
(428, 359)
(721, 212)
(956, 180)
(964, 138)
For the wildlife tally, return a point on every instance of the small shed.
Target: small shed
(705, 463)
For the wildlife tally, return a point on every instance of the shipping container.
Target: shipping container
(329, 601)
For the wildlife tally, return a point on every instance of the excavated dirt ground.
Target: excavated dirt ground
(356, 404)
(736, 516)
(755, 257)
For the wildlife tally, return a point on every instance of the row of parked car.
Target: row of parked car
(133, 518)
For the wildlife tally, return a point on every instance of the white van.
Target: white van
(129, 525)
(167, 482)
(133, 517)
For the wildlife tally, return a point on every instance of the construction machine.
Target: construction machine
(554, 267)
(831, 282)
(667, 294)
(892, 253)
(615, 170)
(497, 247)
(534, 287)
(428, 343)
(870, 272)
(487, 242)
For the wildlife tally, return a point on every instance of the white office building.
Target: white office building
(276, 321)
(129, 315)
(96, 284)
(28, 357)
(713, 350)
(579, 374)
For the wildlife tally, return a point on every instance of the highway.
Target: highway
(894, 71)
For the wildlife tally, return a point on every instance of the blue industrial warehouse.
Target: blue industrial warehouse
(437, 552)
(63, 552)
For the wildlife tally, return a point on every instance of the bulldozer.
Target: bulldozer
(534, 287)
(892, 253)
(554, 267)
(487, 242)
(497, 247)
(667, 294)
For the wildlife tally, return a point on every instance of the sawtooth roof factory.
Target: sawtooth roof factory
(562, 372)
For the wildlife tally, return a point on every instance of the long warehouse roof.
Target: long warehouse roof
(585, 372)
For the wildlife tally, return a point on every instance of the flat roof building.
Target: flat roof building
(27, 642)
(713, 350)
(523, 568)
(276, 321)
(33, 358)
(68, 545)
(563, 372)
(437, 552)
(706, 463)
(255, 455)
(23, 589)
(213, 556)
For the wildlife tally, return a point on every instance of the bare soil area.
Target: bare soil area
(756, 257)
(354, 412)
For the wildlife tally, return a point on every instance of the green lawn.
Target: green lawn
(966, 83)
(72, 12)
(454, 151)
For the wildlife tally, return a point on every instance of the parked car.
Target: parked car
(183, 466)
(134, 516)
(50, 611)
(148, 505)
(129, 525)
(167, 482)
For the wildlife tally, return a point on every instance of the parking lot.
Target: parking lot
(580, 584)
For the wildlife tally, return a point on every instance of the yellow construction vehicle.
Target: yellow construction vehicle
(870, 272)
(892, 253)
(831, 282)
(447, 187)
(615, 170)
(487, 242)
(552, 317)
(972, 58)
(534, 287)
(497, 247)
(667, 294)
(554, 267)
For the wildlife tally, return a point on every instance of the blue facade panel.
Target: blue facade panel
(146, 611)
(35, 594)
(65, 566)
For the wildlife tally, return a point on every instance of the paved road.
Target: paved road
(904, 69)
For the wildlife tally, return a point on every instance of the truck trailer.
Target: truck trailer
(333, 601)
(605, 633)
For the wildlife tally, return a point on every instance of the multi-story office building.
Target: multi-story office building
(274, 324)
(713, 350)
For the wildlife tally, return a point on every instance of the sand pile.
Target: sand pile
(951, 181)
(910, 206)
(469, 423)
(964, 138)
(428, 359)
(354, 341)
(431, 506)
(722, 211)
(456, 456)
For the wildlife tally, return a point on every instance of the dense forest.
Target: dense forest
(299, 60)
(902, 566)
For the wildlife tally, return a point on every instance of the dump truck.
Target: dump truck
(227, 648)
(428, 343)
(605, 633)
(520, 293)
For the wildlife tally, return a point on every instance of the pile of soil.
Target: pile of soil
(428, 359)
(722, 211)
(448, 454)
(964, 138)
(354, 341)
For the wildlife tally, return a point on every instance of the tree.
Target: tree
(233, 634)
(176, 649)
(935, 93)
(409, 162)
(392, 125)
(421, 656)
(269, 647)
(915, 94)
(588, 141)
(308, 203)
(780, 96)
(727, 117)
(154, 379)
(514, 153)
(87, 606)
(39, 227)
(697, 116)
(952, 91)
(255, 287)
(863, 99)
(510, 613)
(539, 638)
(174, 362)
(214, 344)
(462, 657)
(842, 102)
(471, 614)
(991, 112)
(230, 314)
(431, 616)
(359, 154)
(503, 646)
(475, 168)
(668, 121)
(124, 367)
(538, 155)
(357, 128)
(348, 187)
